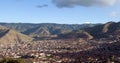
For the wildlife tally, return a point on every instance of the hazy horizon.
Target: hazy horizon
(61, 23)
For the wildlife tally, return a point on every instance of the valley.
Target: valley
(85, 43)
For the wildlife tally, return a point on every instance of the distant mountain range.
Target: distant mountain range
(18, 32)
(44, 29)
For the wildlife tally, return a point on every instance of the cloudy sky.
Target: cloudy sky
(59, 11)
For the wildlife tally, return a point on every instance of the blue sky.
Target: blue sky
(27, 11)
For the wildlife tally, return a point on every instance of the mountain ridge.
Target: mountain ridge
(52, 28)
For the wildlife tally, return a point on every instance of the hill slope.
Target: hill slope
(104, 30)
(8, 36)
(79, 34)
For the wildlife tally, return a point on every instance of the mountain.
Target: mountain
(104, 30)
(20, 27)
(78, 34)
(44, 29)
(53, 30)
(38, 32)
(8, 36)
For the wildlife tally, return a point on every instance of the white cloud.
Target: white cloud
(85, 3)
(87, 22)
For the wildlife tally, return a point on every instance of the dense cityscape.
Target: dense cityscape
(58, 51)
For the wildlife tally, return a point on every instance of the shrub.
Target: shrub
(12, 60)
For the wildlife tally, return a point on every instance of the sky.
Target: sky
(59, 11)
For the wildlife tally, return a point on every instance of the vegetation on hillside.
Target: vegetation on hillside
(12, 60)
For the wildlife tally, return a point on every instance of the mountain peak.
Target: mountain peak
(8, 36)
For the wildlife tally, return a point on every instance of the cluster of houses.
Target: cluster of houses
(43, 51)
